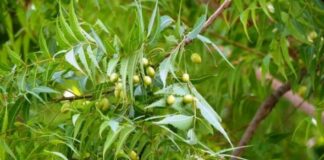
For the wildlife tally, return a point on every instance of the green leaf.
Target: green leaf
(15, 57)
(70, 58)
(285, 54)
(164, 69)
(150, 27)
(74, 22)
(181, 122)
(59, 154)
(191, 137)
(83, 59)
(244, 17)
(125, 132)
(158, 103)
(112, 65)
(208, 113)
(44, 89)
(165, 22)
(208, 41)
(176, 89)
(140, 18)
(111, 137)
(198, 27)
(60, 38)
(92, 57)
(6, 148)
(202, 78)
(124, 71)
(66, 29)
(43, 45)
(5, 121)
(98, 41)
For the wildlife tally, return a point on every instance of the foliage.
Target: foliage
(91, 79)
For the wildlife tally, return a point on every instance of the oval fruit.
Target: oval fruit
(188, 99)
(105, 104)
(147, 80)
(113, 77)
(195, 58)
(119, 86)
(145, 61)
(133, 155)
(136, 79)
(170, 100)
(185, 77)
(150, 71)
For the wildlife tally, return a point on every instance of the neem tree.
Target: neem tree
(113, 80)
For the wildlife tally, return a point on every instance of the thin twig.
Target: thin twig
(263, 111)
(211, 19)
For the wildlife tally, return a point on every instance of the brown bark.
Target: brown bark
(263, 111)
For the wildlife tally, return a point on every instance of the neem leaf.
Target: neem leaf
(70, 57)
(197, 28)
(181, 122)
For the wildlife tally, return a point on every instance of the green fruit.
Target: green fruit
(188, 99)
(195, 58)
(113, 77)
(150, 71)
(185, 77)
(65, 108)
(117, 93)
(119, 86)
(170, 100)
(136, 79)
(147, 80)
(145, 61)
(133, 155)
(104, 103)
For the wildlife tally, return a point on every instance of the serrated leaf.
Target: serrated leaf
(75, 118)
(44, 89)
(112, 65)
(83, 59)
(98, 41)
(111, 137)
(208, 41)
(164, 69)
(150, 27)
(70, 58)
(74, 22)
(208, 113)
(181, 122)
(102, 26)
(5, 147)
(123, 71)
(140, 17)
(244, 17)
(202, 78)
(176, 89)
(158, 103)
(62, 41)
(285, 54)
(165, 22)
(66, 29)
(125, 132)
(132, 66)
(36, 96)
(197, 28)
(43, 45)
(191, 137)
(92, 57)
(59, 154)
